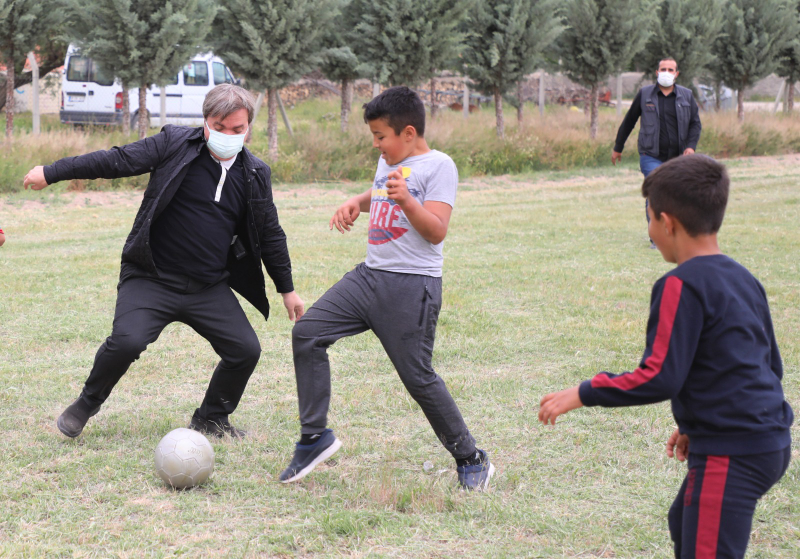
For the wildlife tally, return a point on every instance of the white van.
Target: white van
(91, 96)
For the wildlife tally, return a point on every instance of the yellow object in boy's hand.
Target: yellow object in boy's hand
(406, 171)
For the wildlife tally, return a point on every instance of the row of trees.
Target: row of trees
(496, 43)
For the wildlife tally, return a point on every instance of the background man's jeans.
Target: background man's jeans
(647, 164)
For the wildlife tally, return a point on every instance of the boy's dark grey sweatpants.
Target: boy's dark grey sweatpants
(402, 310)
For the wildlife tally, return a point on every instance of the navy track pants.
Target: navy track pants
(713, 512)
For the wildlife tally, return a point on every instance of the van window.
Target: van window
(221, 74)
(172, 81)
(195, 73)
(83, 69)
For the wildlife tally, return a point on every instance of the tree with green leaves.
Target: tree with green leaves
(408, 42)
(142, 42)
(272, 43)
(507, 42)
(683, 30)
(339, 62)
(445, 40)
(24, 24)
(601, 39)
(753, 35)
(789, 65)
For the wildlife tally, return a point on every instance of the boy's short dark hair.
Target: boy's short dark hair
(692, 188)
(400, 107)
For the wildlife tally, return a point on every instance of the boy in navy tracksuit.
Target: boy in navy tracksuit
(711, 350)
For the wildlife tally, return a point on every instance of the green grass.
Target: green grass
(547, 281)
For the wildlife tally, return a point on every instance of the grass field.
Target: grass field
(547, 281)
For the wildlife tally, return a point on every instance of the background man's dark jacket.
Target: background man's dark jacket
(646, 106)
(167, 156)
(688, 120)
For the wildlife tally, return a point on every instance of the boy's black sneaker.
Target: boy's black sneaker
(476, 476)
(307, 456)
(215, 427)
(72, 421)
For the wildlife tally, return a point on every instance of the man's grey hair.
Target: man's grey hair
(226, 99)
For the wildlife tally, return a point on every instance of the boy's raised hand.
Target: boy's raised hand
(678, 446)
(558, 403)
(396, 187)
(346, 215)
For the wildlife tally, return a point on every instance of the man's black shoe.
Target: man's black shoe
(216, 427)
(74, 418)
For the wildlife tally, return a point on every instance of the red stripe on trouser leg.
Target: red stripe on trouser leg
(710, 506)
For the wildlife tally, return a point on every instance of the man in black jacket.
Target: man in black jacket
(206, 222)
(670, 121)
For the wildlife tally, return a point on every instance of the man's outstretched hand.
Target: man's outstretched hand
(35, 178)
(294, 305)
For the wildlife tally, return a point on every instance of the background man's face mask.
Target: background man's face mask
(666, 79)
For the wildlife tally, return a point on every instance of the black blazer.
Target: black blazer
(166, 157)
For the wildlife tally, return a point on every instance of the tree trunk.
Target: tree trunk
(272, 123)
(346, 103)
(143, 117)
(10, 94)
(433, 98)
(594, 101)
(717, 95)
(790, 99)
(126, 111)
(498, 111)
(519, 104)
(740, 104)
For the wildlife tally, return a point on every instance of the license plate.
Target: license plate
(76, 98)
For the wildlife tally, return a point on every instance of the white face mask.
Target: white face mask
(666, 79)
(224, 146)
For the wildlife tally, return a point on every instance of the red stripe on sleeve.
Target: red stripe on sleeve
(670, 299)
(710, 506)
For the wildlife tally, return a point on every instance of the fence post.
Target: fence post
(35, 107)
(619, 94)
(465, 100)
(283, 114)
(541, 92)
(778, 97)
(163, 108)
(259, 102)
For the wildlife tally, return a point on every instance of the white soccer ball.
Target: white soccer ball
(184, 458)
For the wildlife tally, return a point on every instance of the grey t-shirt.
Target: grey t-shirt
(394, 244)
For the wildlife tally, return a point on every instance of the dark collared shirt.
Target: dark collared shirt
(192, 236)
(668, 131)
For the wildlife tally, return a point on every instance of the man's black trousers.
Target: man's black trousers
(145, 306)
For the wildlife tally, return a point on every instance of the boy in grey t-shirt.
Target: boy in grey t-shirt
(409, 208)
